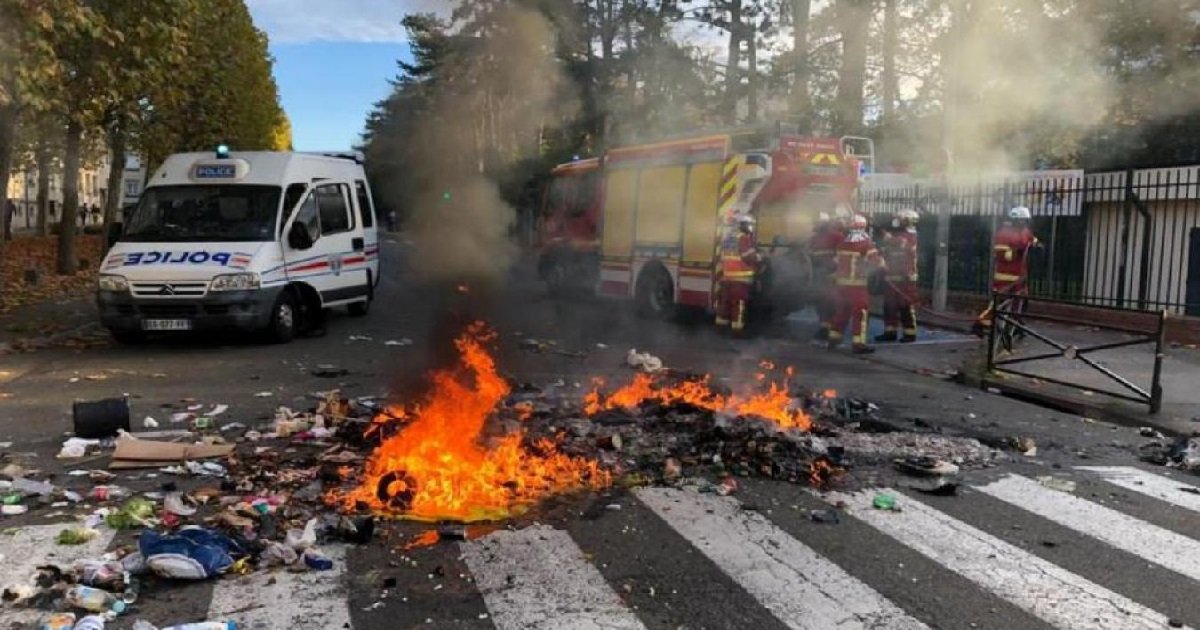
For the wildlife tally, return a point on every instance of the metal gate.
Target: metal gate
(1011, 324)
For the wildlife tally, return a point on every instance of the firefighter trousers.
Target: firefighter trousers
(1004, 289)
(853, 302)
(826, 302)
(899, 308)
(732, 304)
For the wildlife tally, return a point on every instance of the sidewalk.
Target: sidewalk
(70, 320)
(964, 357)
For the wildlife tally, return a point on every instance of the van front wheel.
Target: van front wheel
(283, 319)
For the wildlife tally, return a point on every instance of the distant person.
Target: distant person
(391, 216)
(1010, 262)
(10, 211)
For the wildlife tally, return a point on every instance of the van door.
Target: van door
(326, 213)
(370, 227)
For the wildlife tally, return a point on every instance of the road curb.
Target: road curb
(1078, 406)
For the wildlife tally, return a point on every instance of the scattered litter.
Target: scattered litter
(358, 338)
(76, 535)
(326, 370)
(398, 342)
(150, 423)
(217, 410)
(824, 516)
(138, 453)
(925, 466)
(13, 510)
(884, 501)
(644, 361)
(1150, 432)
(1056, 483)
(191, 554)
(264, 394)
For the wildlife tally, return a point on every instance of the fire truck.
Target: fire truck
(644, 221)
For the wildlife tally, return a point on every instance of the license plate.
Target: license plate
(166, 324)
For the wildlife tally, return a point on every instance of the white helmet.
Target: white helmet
(745, 221)
(822, 217)
(857, 222)
(1018, 213)
(908, 215)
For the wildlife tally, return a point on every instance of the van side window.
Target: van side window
(308, 216)
(335, 215)
(290, 198)
(365, 208)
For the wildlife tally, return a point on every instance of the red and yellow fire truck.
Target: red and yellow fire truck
(643, 221)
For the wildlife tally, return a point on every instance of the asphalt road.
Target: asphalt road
(1007, 552)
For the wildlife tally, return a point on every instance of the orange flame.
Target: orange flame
(774, 404)
(821, 472)
(437, 468)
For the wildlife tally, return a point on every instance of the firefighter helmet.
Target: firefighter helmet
(745, 222)
(822, 217)
(907, 217)
(1019, 213)
(857, 223)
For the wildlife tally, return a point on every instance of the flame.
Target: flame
(830, 393)
(773, 404)
(437, 468)
(821, 472)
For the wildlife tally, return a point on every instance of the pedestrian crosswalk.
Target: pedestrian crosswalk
(775, 566)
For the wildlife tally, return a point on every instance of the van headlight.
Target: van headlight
(113, 283)
(236, 282)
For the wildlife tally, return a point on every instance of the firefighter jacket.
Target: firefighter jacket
(739, 257)
(857, 258)
(1010, 251)
(823, 246)
(900, 254)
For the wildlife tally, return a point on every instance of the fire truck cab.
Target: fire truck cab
(644, 221)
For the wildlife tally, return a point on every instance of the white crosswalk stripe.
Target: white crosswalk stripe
(314, 599)
(1041, 588)
(34, 546)
(1150, 542)
(538, 578)
(1160, 487)
(801, 588)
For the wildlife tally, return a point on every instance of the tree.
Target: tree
(853, 19)
(799, 105)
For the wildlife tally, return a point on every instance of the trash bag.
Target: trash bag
(190, 554)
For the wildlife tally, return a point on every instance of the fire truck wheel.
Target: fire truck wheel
(655, 293)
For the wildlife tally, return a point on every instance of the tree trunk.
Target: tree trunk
(42, 159)
(891, 88)
(8, 131)
(853, 17)
(67, 263)
(799, 104)
(733, 69)
(752, 76)
(116, 176)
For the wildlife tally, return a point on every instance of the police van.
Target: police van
(254, 241)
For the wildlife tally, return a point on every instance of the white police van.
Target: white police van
(257, 241)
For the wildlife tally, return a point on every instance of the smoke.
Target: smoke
(489, 106)
(1032, 78)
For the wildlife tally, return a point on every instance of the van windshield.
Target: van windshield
(205, 213)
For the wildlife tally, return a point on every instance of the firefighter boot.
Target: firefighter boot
(888, 335)
(862, 348)
(907, 338)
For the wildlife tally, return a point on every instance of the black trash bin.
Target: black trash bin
(99, 419)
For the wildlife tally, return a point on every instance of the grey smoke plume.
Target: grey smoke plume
(502, 87)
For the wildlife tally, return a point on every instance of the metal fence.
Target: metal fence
(1128, 239)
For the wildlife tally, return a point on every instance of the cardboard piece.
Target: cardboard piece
(152, 454)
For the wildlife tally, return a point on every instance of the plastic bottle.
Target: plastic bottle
(90, 622)
(205, 625)
(132, 587)
(94, 599)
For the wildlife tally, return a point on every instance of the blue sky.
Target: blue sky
(333, 60)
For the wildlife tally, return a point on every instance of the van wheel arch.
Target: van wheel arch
(309, 302)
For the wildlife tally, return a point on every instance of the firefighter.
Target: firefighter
(1010, 261)
(900, 294)
(739, 262)
(857, 259)
(827, 233)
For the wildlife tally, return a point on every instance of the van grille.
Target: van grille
(168, 289)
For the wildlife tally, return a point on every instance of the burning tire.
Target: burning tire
(396, 490)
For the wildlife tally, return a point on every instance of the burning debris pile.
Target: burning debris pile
(433, 462)
(477, 448)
